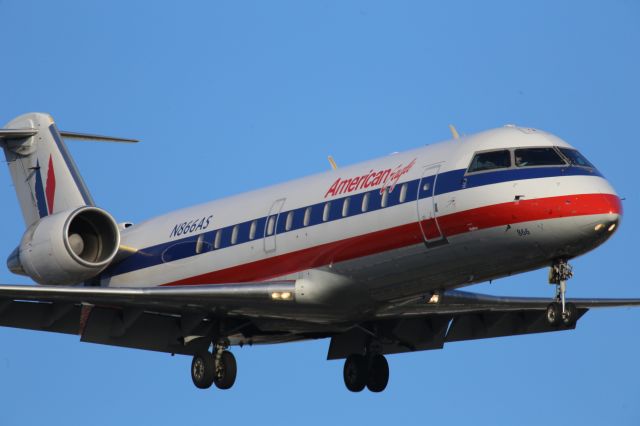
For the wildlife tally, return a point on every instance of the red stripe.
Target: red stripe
(407, 235)
(50, 190)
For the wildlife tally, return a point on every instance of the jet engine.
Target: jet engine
(67, 247)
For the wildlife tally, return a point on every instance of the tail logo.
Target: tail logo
(45, 194)
(50, 186)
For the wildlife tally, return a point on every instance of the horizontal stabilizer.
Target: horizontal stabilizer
(16, 133)
(25, 133)
(97, 138)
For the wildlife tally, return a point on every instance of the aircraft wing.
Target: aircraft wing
(460, 302)
(453, 316)
(168, 299)
(168, 319)
(182, 319)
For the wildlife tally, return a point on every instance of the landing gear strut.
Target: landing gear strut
(559, 311)
(219, 367)
(371, 371)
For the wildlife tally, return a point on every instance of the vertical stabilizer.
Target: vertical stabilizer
(45, 176)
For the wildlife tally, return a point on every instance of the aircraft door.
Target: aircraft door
(271, 226)
(428, 207)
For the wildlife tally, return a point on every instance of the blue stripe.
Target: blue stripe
(41, 201)
(451, 181)
(71, 166)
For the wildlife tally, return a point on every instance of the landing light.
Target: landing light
(612, 227)
(435, 298)
(285, 295)
(599, 227)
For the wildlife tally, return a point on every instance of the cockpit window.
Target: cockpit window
(529, 157)
(490, 160)
(575, 157)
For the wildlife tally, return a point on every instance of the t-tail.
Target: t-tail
(44, 174)
(59, 212)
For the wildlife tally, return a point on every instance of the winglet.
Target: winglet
(454, 132)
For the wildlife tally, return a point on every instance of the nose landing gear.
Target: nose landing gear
(560, 312)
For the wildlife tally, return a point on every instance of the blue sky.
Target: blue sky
(232, 96)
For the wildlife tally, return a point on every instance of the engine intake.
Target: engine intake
(67, 247)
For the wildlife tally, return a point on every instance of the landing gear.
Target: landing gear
(202, 370)
(355, 372)
(225, 370)
(378, 373)
(371, 371)
(559, 311)
(219, 368)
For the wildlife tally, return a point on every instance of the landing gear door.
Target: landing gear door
(271, 226)
(428, 207)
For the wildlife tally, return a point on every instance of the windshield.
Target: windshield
(529, 157)
(490, 160)
(576, 158)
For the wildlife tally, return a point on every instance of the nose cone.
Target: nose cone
(599, 221)
(610, 216)
(589, 217)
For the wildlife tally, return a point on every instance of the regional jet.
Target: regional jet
(371, 256)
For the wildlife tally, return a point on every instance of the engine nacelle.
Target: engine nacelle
(67, 247)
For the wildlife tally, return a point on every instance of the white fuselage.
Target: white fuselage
(436, 227)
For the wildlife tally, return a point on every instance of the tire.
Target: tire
(571, 315)
(378, 376)
(554, 314)
(355, 372)
(202, 370)
(225, 371)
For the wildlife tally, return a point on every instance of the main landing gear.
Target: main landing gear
(371, 371)
(219, 367)
(559, 312)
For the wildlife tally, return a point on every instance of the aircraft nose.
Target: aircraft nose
(612, 214)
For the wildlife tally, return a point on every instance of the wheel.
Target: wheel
(570, 314)
(554, 313)
(225, 371)
(202, 370)
(378, 373)
(355, 372)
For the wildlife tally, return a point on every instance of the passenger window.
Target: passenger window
(216, 242)
(529, 157)
(199, 243)
(289, 222)
(325, 212)
(576, 158)
(307, 216)
(365, 202)
(234, 235)
(270, 225)
(345, 207)
(252, 230)
(490, 160)
(403, 193)
(385, 197)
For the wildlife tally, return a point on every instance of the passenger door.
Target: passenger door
(428, 207)
(271, 225)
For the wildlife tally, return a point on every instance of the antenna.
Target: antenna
(454, 132)
(334, 166)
